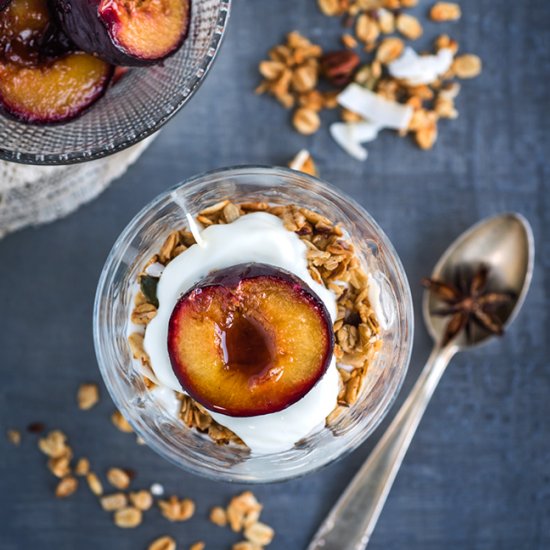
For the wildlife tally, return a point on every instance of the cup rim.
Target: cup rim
(40, 159)
(248, 170)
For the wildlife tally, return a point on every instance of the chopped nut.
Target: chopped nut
(389, 50)
(14, 437)
(259, 533)
(66, 487)
(175, 509)
(445, 11)
(167, 249)
(409, 26)
(467, 66)
(306, 121)
(118, 478)
(120, 422)
(54, 445)
(142, 500)
(349, 41)
(231, 212)
(218, 516)
(94, 484)
(113, 502)
(82, 467)
(136, 346)
(143, 314)
(128, 518)
(198, 546)
(88, 396)
(163, 543)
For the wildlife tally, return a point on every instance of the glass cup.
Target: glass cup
(167, 434)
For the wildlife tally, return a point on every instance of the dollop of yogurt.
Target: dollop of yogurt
(262, 238)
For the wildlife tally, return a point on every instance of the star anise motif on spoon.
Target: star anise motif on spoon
(468, 302)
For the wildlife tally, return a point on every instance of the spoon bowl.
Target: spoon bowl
(505, 245)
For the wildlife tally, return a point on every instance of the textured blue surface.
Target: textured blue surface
(478, 472)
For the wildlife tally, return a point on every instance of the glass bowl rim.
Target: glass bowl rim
(40, 159)
(133, 227)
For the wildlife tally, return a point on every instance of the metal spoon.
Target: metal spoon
(505, 245)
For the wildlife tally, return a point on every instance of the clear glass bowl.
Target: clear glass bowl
(135, 107)
(168, 435)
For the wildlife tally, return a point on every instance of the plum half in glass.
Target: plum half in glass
(162, 430)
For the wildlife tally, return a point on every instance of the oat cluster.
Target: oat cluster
(332, 262)
(303, 78)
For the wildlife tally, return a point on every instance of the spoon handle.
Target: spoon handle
(351, 521)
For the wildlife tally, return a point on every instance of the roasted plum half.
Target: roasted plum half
(126, 32)
(56, 91)
(249, 340)
(42, 78)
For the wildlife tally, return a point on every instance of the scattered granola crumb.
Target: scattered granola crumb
(54, 444)
(127, 518)
(120, 422)
(245, 545)
(94, 484)
(349, 41)
(118, 478)
(175, 509)
(60, 466)
(198, 545)
(66, 487)
(242, 510)
(295, 69)
(259, 533)
(87, 396)
(142, 500)
(14, 437)
(409, 26)
(218, 516)
(163, 543)
(445, 11)
(467, 66)
(306, 121)
(303, 162)
(116, 501)
(82, 467)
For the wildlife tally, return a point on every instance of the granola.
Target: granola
(332, 262)
(301, 76)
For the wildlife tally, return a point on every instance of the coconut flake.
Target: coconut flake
(421, 69)
(386, 114)
(154, 270)
(350, 135)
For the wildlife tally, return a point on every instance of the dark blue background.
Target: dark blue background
(478, 472)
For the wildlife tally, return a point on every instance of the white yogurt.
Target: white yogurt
(261, 238)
